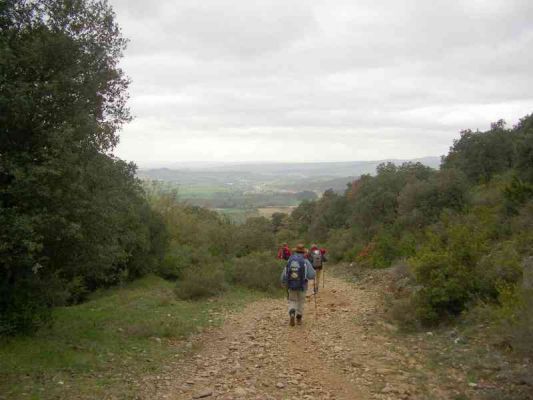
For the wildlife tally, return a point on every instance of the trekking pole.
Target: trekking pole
(314, 295)
(323, 278)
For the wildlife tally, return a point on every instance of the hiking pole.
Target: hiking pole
(314, 295)
(323, 278)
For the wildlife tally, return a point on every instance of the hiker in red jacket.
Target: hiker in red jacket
(284, 252)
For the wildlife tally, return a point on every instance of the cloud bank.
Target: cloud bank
(292, 80)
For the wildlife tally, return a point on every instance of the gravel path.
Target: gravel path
(344, 350)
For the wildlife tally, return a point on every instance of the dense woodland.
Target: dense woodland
(74, 218)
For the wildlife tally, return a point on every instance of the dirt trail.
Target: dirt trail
(343, 350)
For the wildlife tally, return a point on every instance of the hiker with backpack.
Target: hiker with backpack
(284, 252)
(294, 277)
(317, 257)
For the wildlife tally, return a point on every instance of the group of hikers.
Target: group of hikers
(302, 266)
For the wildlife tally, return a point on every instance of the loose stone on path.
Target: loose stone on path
(203, 394)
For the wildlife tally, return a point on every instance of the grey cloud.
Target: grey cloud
(396, 78)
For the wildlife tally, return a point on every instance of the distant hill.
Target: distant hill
(244, 189)
(258, 173)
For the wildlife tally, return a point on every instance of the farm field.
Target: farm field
(269, 211)
(237, 215)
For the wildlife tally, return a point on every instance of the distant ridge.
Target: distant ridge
(176, 171)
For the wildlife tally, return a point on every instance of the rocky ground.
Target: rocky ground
(344, 350)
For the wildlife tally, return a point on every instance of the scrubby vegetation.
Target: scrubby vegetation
(73, 217)
(462, 232)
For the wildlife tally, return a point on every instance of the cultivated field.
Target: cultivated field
(268, 211)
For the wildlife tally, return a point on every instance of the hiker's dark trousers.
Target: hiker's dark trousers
(297, 301)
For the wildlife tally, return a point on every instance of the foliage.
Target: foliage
(500, 266)
(73, 217)
(375, 201)
(516, 194)
(329, 213)
(386, 247)
(206, 251)
(516, 318)
(481, 155)
(199, 281)
(254, 235)
(302, 217)
(446, 265)
(340, 243)
(279, 220)
(420, 202)
(523, 162)
(257, 271)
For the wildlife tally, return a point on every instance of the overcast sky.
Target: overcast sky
(284, 80)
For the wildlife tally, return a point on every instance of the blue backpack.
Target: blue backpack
(296, 273)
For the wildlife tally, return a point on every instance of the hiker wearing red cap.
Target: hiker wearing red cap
(294, 277)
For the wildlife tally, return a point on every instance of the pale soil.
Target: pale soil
(344, 350)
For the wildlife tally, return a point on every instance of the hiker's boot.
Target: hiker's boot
(299, 319)
(291, 317)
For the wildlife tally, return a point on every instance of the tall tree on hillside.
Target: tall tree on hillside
(481, 155)
(69, 211)
(524, 159)
(375, 202)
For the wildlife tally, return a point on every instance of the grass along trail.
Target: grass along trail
(344, 350)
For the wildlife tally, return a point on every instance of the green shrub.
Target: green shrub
(200, 281)
(446, 266)
(260, 271)
(256, 234)
(515, 317)
(177, 259)
(287, 235)
(353, 253)
(386, 247)
(421, 201)
(447, 286)
(501, 266)
(339, 244)
(481, 155)
(385, 250)
(516, 194)
(26, 306)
